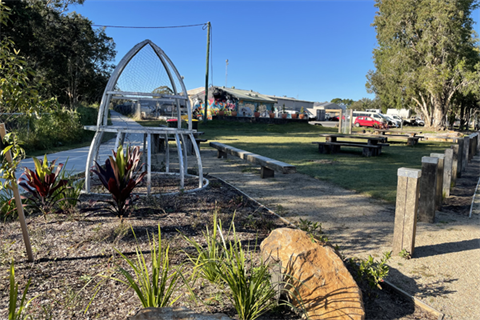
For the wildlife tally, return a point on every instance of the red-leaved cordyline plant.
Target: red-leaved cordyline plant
(120, 177)
(43, 188)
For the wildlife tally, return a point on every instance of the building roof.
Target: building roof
(237, 93)
(328, 105)
(288, 98)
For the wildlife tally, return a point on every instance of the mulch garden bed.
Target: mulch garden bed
(72, 250)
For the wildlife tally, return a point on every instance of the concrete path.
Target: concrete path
(77, 158)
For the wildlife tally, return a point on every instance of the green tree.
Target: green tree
(345, 102)
(72, 60)
(427, 51)
(365, 103)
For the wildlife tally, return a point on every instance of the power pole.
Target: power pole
(226, 72)
(206, 74)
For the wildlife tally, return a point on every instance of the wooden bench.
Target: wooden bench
(268, 166)
(369, 150)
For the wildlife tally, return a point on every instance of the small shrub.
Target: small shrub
(369, 272)
(44, 190)
(120, 177)
(53, 129)
(404, 254)
(313, 229)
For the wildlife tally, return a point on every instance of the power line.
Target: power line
(136, 27)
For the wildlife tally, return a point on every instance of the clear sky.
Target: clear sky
(310, 50)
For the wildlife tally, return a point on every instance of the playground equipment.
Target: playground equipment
(147, 74)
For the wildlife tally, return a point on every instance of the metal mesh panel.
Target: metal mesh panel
(144, 73)
(178, 86)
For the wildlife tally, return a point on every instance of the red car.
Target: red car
(364, 121)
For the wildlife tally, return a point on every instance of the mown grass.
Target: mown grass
(292, 143)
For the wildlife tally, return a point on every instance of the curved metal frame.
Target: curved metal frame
(179, 135)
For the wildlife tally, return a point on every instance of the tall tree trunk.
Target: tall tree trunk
(462, 115)
(439, 114)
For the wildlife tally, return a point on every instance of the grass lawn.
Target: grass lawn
(292, 143)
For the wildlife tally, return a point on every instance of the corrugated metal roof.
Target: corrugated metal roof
(248, 95)
(237, 93)
(288, 98)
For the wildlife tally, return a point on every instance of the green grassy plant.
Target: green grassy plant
(207, 259)
(17, 312)
(250, 289)
(154, 286)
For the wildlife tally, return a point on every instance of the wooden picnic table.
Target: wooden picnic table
(389, 132)
(412, 138)
(373, 146)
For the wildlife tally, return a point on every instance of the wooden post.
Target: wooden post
(406, 210)
(447, 172)
(340, 122)
(18, 202)
(439, 186)
(460, 157)
(455, 163)
(350, 113)
(428, 183)
(466, 148)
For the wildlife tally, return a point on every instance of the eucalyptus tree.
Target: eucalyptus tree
(427, 52)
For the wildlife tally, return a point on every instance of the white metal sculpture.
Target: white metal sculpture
(174, 93)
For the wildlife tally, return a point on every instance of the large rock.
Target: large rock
(174, 314)
(318, 274)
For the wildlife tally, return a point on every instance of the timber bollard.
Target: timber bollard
(447, 172)
(460, 143)
(439, 194)
(466, 148)
(455, 158)
(428, 183)
(406, 210)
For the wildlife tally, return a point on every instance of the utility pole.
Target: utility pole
(226, 72)
(206, 74)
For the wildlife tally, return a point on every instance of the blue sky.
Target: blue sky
(310, 50)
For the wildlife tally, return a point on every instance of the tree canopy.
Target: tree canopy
(71, 59)
(427, 53)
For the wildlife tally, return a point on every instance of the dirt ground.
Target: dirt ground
(72, 251)
(445, 269)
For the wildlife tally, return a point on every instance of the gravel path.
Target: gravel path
(445, 269)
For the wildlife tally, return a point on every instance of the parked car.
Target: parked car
(398, 118)
(415, 121)
(334, 118)
(365, 121)
(391, 121)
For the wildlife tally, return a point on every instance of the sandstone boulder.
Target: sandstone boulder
(318, 274)
(174, 314)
